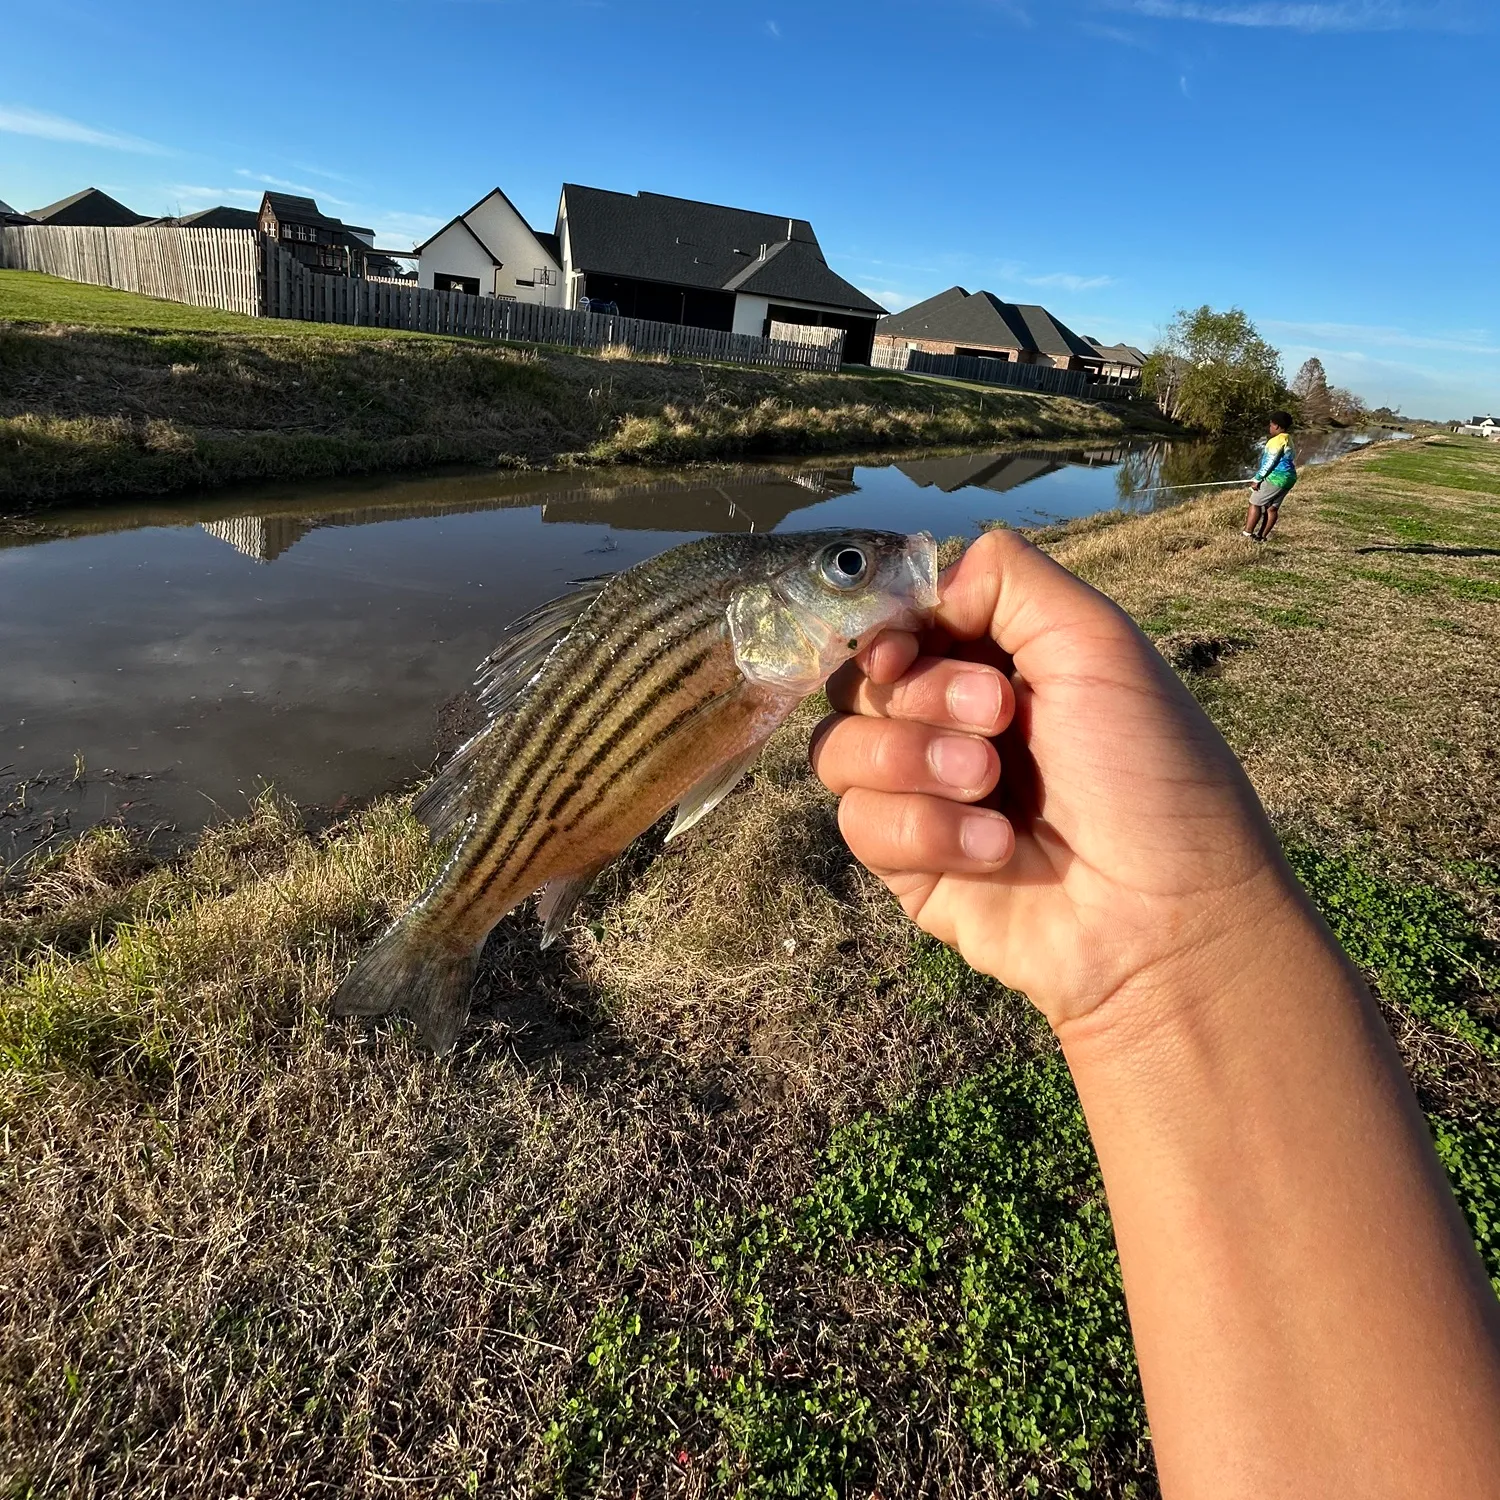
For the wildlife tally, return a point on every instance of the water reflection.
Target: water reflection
(306, 636)
(1149, 472)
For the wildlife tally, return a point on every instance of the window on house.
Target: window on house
(521, 282)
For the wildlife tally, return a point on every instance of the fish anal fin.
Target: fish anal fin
(707, 794)
(558, 898)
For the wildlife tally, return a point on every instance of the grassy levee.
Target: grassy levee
(743, 1189)
(105, 393)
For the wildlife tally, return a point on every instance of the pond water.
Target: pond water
(165, 662)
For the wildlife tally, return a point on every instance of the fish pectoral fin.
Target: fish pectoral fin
(707, 794)
(557, 899)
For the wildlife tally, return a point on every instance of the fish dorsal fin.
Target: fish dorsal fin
(527, 643)
(446, 803)
(707, 794)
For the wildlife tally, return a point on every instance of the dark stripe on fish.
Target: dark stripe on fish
(514, 814)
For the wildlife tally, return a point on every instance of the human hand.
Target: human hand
(1039, 790)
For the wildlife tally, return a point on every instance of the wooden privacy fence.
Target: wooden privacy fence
(292, 291)
(205, 267)
(985, 371)
(240, 270)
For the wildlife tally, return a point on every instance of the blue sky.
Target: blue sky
(1329, 165)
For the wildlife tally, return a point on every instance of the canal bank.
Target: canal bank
(740, 1177)
(108, 394)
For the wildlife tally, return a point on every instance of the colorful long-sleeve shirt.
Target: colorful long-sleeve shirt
(1278, 464)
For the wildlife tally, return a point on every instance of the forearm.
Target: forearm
(1309, 1312)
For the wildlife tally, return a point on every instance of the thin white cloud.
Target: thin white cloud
(1116, 34)
(1067, 282)
(302, 188)
(773, 30)
(894, 301)
(395, 229)
(17, 119)
(1478, 341)
(1309, 15)
(193, 196)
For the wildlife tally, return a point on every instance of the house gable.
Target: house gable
(491, 249)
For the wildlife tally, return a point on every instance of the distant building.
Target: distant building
(1122, 362)
(9, 215)
(982, 325)
(1487, 427)
(90, 207)
(672, 260)
(318, 240)
(491, 251)
(676, 260)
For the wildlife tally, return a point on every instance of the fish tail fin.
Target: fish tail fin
(402, 971)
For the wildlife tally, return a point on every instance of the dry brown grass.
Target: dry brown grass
(246, 1251)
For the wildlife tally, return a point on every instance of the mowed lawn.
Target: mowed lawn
(743, 1189)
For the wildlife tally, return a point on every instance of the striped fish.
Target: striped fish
(649, 689)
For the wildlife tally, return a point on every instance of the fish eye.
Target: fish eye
(845, 566)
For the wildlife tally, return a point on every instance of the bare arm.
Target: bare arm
(1309, 1311)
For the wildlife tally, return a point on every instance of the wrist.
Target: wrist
(1232, 965)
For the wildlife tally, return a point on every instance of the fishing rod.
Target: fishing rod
(1207, 484)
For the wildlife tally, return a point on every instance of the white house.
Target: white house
(1482, 427)
(491, 251)
(672, 260)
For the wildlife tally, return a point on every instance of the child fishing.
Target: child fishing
(1273, 479)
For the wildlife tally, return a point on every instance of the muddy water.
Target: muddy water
(165, 662)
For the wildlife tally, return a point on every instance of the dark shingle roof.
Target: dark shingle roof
(652, 237)
(960, 317)
(1118, 354)
(89, 207)
(1050, 335)
(221, 217)
(291, 209)
(986, 321)
(9, 215)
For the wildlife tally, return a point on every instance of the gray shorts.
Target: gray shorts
(1267, 496)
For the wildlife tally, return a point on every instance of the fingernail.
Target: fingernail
(985, 839)
(957, 761)
(974, 698)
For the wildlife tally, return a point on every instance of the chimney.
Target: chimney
(763, 248)
(789, 229)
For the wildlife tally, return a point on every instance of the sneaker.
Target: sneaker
(1251, 535)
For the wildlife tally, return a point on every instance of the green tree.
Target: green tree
(1213, 371)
